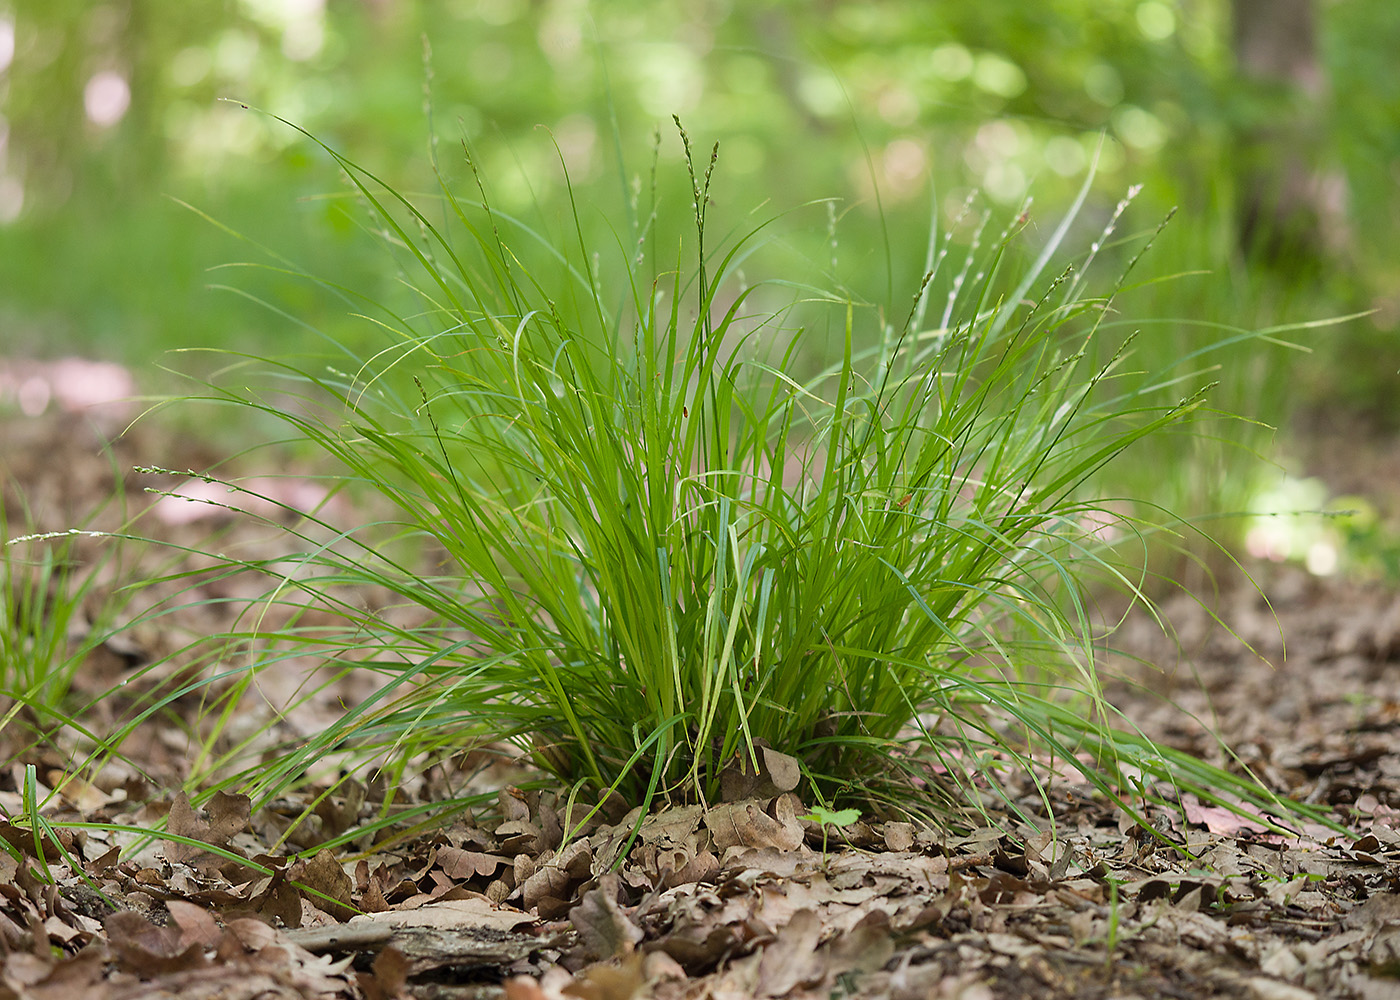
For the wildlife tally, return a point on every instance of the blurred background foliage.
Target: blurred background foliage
(1273, 124)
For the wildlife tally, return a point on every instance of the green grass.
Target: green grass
(57, 606)
(1209, 320)
(628, 538)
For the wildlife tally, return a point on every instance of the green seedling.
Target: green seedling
(840, 818)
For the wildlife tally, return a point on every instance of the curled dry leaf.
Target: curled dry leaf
(604, 930)
(745, 824)
(774, 774)
(150, 951)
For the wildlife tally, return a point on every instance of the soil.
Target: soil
(1297, 675)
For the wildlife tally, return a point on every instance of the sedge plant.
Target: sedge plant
(56, 608)
(638, 544)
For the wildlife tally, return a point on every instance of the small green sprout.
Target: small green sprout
(828, 818)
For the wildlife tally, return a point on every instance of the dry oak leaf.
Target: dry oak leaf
(605, 931)
(150, 951)
(330, 887)
(775, 774)
(745, 824)
(460, 864)
(792, 960)
(227, 816)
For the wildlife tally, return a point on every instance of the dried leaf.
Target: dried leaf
(148, 950)
(227, 815)
(745, 824)
(604, 930)
(323, 874)
(461, 864)
(792, 960)
(775, 774)
(197, 925)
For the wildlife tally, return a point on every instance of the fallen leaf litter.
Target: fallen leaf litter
(740, 899)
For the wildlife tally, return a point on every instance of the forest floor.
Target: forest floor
(1301, 682)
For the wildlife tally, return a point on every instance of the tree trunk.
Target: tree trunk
(1292, 212)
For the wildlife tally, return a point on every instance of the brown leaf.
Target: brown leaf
(775, 774)
(745, 824)
(197, 925)
(605, 931)
(227, 816)
(148, 950)
(323, 874)
(792, 960)
(460, 864)
(610, 982)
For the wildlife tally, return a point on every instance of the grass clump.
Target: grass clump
(654, 550)
(54, 613)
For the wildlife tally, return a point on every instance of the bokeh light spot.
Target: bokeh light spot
(1155, 20)
(1103, 84)
(998, 75)
(7, 43)
(106, 98)
(951, 62)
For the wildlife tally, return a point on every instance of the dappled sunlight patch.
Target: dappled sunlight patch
(201, 499)
(1301, 520)
(101, 389)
